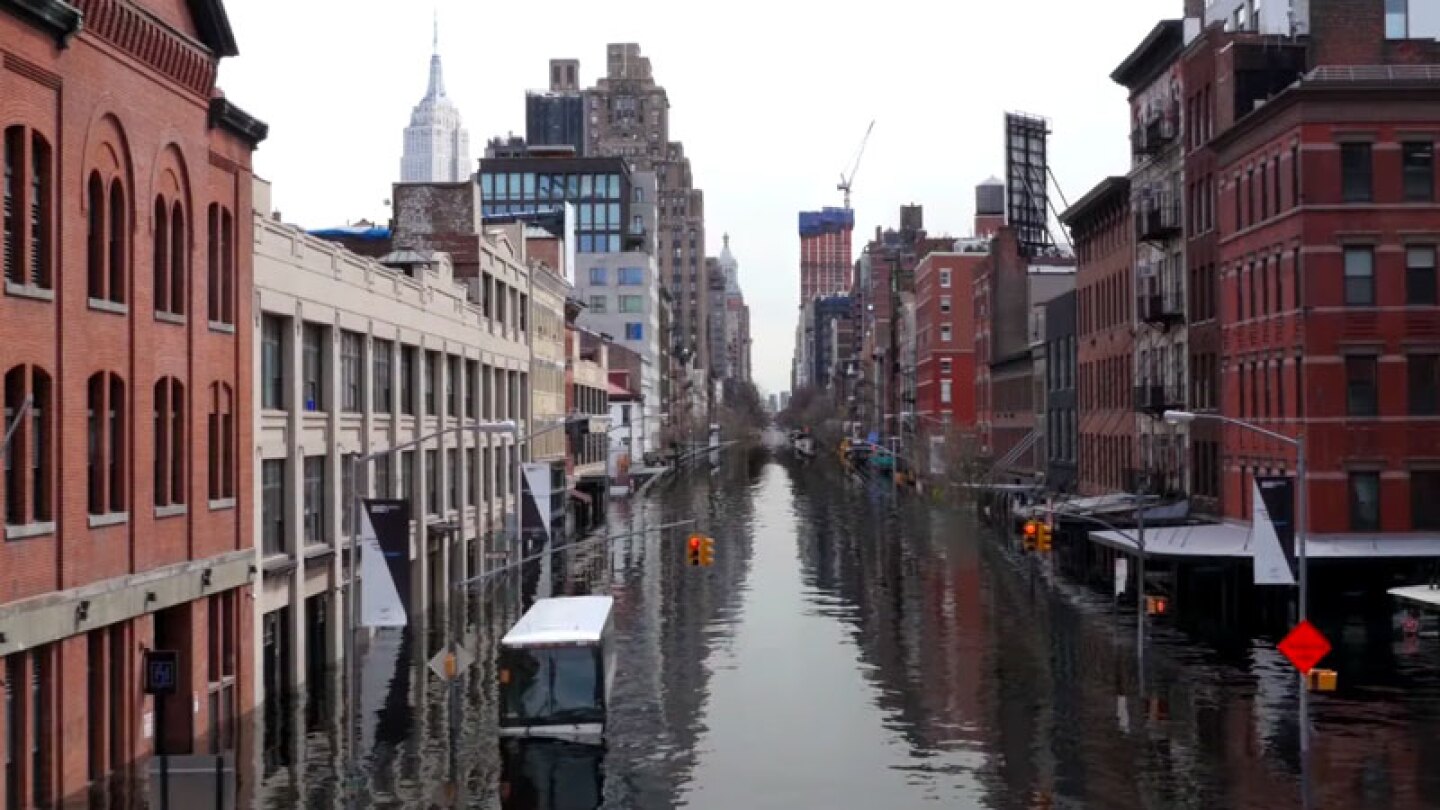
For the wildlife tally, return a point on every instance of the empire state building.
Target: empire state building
(437, 147)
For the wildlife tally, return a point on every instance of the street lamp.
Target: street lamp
(1301, 559)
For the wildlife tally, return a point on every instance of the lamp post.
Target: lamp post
(1301, 559)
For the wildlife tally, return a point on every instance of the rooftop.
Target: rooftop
(563, 620)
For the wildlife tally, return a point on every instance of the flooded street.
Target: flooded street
(844, 653)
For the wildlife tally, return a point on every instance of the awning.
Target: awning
(1232, 540)
(1424, 594)
(580, 496)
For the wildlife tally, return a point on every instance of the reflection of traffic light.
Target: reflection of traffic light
(1156, 605)
(692, 550)
(707, 551)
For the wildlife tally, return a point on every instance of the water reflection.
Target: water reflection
(847, 652)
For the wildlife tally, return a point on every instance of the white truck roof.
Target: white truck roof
(562, 620)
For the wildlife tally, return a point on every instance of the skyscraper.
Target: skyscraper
(437, 146)
(628, 115)
(825, 252)
(557, 117)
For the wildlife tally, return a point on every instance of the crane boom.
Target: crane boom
(847, 181)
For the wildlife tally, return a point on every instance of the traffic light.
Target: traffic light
(707, 551)
(1156, 605)
(692, 550)
(1042, 537)
(1032, 534)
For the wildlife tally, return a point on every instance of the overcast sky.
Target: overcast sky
(770, 99)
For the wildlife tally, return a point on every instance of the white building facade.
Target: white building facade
(353, 357)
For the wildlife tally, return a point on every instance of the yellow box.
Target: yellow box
(1323, 680)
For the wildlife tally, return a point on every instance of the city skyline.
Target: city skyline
(384, 70)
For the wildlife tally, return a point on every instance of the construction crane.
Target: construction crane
(846, 182)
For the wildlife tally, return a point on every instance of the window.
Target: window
(407, 380)
(314, 500)
(106, 448)
(382, 479)
(634, 331)
(1360, 276)
(272, 363)
(432, 482)
(1423, 384)
(472, 382)
(40, 727)
(1361, 371)
(1364, 501)
(27, 488)
(272, 506)
(407, 475)
(1355, 170)
(312, 379)
(168, 257)
(472, 475)
(432, 381)
(598, 276)
(1424, 500)
(221, 429)
(13, 732)
(598, 303)
(944, 333)
(945, 277)
(1417, 163)
(220, 264)
(632, 304)
(945, 366)
(944, 392)
(1420, 276)
(27, 212)
(452, 469)
(169, 442)
(384, 403)
(1397, 19)
(632, 276)
(351, 372)
(106, 240)
(945, 304)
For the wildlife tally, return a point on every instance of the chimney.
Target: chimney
(1194, 9)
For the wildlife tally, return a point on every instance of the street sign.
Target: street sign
(450, 662)
(1305, 646)
(162, 671)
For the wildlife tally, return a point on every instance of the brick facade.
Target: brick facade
(134, 282)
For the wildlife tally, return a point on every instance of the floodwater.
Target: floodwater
(848, 652)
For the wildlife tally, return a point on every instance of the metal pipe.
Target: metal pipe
(1303, 561)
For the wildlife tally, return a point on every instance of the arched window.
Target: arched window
(169, 442)
(106, 447)
(28, 458)
(27, 227)
(161, 226)
(220, 257)
(115, 291)
(95, 258)
(179, 258)
(222, 442)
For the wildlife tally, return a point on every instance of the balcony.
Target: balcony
(1161, 309)
(1155, 132)
(1157, 219)
(1155, 400)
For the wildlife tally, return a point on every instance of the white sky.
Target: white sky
(770, 99)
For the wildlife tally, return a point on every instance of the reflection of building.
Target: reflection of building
(126, 327)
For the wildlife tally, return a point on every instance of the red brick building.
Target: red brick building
(945, 337)
(825, 245)
(125, 325)
(1100, 227)
(1328, 230)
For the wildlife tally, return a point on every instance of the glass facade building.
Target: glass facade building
(599, 188)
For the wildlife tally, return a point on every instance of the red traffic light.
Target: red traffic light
(694, 542)
(1031, 528)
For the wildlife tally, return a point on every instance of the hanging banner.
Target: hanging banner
(537, 500)
(385, 563)
(1272, 529)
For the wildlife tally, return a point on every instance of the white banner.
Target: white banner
(1271, 567)
(1122, 573)
(537, 477)
(380, 604)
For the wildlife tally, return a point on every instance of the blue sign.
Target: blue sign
(162, 672)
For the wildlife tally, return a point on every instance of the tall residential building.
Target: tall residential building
(737, 319)
(437, 146)
(825, 263)
(557, 117)
(716, 327)
(628, 115)
(125, 346)
(945, 337)
(1152, 74)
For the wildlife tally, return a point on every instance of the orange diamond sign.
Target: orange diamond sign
(1305, 646)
